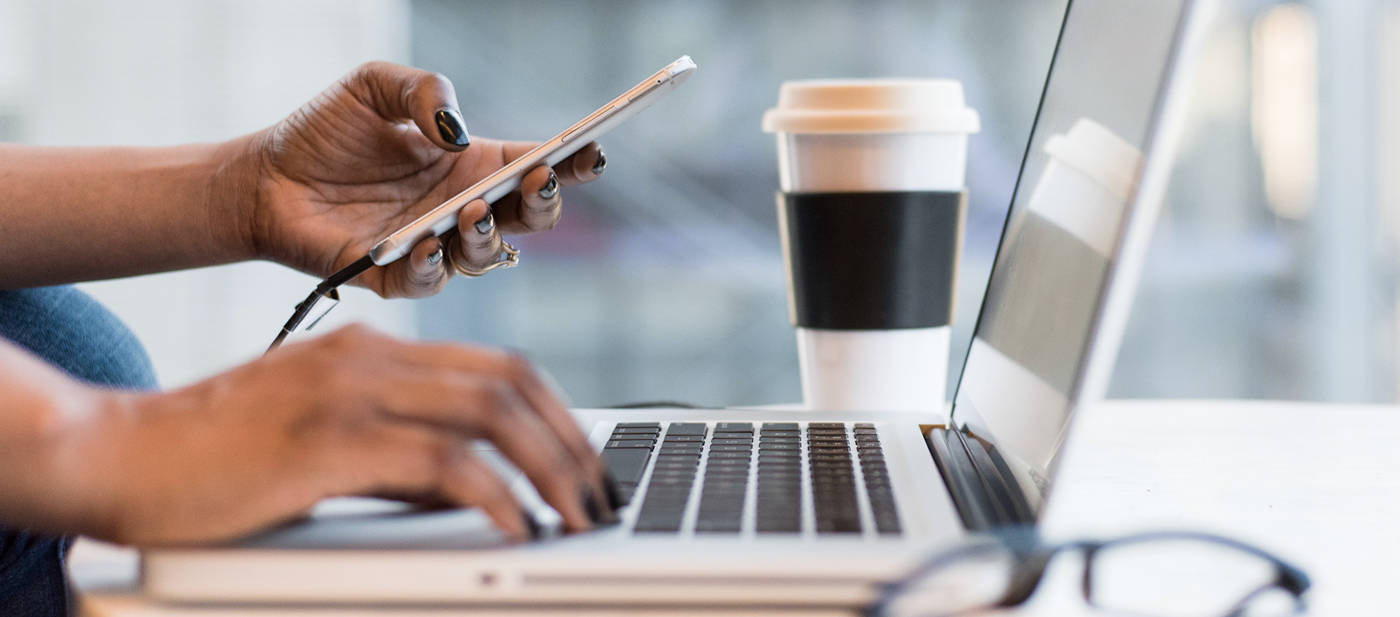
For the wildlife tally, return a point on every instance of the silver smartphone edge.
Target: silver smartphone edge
(443, 218)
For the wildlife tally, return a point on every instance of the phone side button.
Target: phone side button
(584, 126)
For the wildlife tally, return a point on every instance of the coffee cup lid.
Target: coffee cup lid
(871, 106)
(1098, 153)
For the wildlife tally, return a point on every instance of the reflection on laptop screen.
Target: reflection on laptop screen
(1079, 175)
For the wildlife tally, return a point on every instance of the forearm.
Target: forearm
(75, 214)
(44, 417)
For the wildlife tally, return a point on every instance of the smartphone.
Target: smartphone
(443, 218)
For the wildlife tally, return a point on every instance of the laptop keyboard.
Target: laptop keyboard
(783, 463)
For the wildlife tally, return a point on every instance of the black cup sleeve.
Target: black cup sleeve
(871, 261)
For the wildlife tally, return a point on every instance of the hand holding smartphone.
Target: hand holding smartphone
(443, 218)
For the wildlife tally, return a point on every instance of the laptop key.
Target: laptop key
(626, 465)
(686, 428)
(877, 482)
(615, 445)
(729, 459)
(743, 448)
(779, 447)
(733, 427)
(668, 524)
(637, 431)
(686, 460)
(682, 447)
(627, 490)
(789, 524)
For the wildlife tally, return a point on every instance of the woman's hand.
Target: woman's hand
(372, 153)
(350, 413)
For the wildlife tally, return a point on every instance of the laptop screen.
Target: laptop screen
(1079, 174)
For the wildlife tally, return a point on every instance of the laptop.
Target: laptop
(774, 507)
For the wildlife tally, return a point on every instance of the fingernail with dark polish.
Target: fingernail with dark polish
(594, 511)
(451, 126)
(550, 188)
(485, 224)
(600, 164)
(614, 494)
(590, 506)
(435, 257)
(532, 526)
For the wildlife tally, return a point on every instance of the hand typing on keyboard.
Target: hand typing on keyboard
(350, 413)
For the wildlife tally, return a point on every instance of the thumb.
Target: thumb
(399, 92)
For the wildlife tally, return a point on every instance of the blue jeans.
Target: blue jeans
(70, 330)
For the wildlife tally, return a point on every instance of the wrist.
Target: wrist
(61, 444)
(97, 460)
(234, 198)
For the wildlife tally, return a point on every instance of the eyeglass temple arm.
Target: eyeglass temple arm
(1287, 576)
(325, 288)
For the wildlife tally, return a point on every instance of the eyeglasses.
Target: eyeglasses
(1159, 574)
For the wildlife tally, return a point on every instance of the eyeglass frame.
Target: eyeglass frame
(1033, 555)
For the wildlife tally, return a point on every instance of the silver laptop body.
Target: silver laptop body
(778, 507)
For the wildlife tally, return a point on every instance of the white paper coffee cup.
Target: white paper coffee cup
(874, 135)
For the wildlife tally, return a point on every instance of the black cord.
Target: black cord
(345, 274)
(326, 288)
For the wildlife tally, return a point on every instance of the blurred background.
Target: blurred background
(1272, 273)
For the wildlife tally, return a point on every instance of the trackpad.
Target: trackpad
(365, 523)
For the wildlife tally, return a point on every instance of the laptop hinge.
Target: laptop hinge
(979, 482)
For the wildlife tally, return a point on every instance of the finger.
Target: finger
(485, 407)
(582, 166)
(392, 458)
(470, 481)
(562, 420)
(533, 447)
(399, 92)
(544, 399)
(539, 206)
(420, 464)
(541, 398)
(480, 241)
(424, 273)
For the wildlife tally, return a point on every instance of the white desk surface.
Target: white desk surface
(1318, 484)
